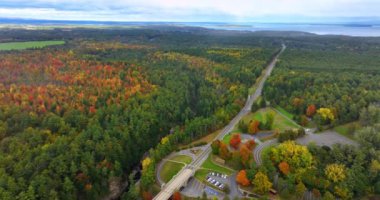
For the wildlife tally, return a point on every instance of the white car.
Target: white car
(213, 181)
(217, 184)
(221, 186)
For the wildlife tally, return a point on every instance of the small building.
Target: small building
(220, 161)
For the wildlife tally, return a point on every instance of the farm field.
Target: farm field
(29, 45)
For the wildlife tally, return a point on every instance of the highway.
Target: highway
(182, 176)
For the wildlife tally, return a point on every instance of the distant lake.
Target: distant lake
(357, 29)
(320, 29)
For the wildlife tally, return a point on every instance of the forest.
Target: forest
(340, 78)
(76, 119)
(328, 84)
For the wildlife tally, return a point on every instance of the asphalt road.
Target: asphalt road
(166, 192)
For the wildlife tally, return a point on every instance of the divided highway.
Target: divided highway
(182, 176)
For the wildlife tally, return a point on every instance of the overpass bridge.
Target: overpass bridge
(183, 176)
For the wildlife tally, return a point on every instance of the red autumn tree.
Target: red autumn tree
(235, 141)
(147, 195)
(250, 144)
(176, 196)
(284, 167)
(311, 110)
(241, 178)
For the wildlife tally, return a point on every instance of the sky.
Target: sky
(193, 10)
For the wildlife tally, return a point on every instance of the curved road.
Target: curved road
(257, 151)
(180, 179)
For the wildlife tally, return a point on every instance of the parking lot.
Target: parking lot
(216, 179)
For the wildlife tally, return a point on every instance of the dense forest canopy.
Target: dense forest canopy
(341, 74)
(77, 118)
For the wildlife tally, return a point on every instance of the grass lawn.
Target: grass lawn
(209, 164)
(280, 122)
(284, 112)
(347, 130)
(182, 158)
(170, 169)
(227, 138)
(28, 45)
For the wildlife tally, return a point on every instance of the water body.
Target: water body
(370, 29)
(362, 30)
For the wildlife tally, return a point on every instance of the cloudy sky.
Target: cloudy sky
(191, 10)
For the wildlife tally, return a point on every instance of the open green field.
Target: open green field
(29, 45)
(284, 112)
(170, 169)
(347, 129)
(182, 158)
(280, 122)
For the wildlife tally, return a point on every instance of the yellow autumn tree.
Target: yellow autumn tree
(296, 156)
(261, 183)
(326, 113)
(164, 140)
(335, 172)
(146, 162)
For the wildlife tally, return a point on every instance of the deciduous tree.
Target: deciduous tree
(235, 141)
(241, 178)
(335, 172)
(253, 127)
(284, 167)
(261, 183)
(311, 110)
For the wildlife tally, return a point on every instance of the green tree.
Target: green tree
(328, 196)
(300, 190)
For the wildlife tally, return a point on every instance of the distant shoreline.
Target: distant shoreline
(346, 29)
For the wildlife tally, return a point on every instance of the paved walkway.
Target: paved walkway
(326, 138)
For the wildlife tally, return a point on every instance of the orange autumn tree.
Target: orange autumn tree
(235, 141)
(284, 167)
(241, 178)
(311, 110)
(253, 127)
(224, 152)
(245, 155)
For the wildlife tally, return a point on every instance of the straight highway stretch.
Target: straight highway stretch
(182, 176)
